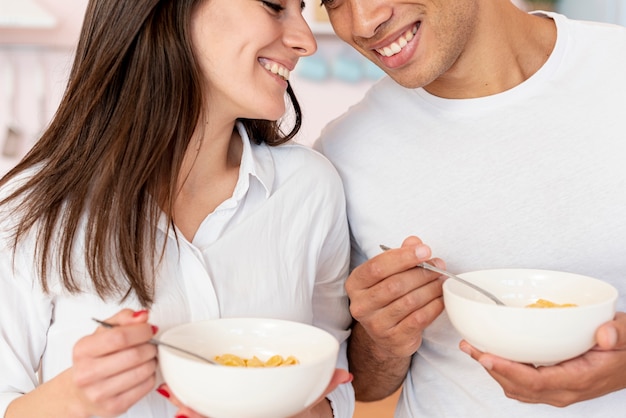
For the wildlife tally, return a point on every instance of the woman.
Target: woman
(161, 166)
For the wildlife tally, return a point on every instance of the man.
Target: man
(498, 138)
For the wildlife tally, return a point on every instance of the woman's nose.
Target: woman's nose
(299, 37)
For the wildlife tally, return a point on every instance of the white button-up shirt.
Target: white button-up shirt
(277, 248)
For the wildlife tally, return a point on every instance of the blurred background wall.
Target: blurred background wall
(37, 40)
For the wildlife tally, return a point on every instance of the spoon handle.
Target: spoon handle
(158, 342)
(182, 350)
(465, 282)
(455, 277)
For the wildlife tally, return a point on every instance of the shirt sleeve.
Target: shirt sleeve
(25, 315)
(330, 301)
(342, 399)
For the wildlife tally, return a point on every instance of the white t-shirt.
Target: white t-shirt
(534, 177)
(277, 248)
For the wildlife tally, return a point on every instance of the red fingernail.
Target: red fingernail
(181, 416)
(138, 313)
(163, 392)
(155, 329)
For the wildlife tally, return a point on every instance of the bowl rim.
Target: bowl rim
(614, 293)
(334, 345)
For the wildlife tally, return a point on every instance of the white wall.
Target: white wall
(68, 15)
(612, 11)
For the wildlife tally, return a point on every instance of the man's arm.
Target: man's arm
(376, 374)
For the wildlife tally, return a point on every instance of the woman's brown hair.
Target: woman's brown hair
(113, 151)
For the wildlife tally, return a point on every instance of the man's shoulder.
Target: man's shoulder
(363, 117)
(593, 31)
(310, 167)
(294, 155)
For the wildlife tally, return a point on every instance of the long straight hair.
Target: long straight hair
(112, 154)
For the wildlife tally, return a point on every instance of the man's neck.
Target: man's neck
(498, 57)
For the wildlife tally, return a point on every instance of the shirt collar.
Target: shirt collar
(257, 163)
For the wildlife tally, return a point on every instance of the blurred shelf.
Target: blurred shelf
(25, 14)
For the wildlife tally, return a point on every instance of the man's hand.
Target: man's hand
(393, 302)
(600, 371)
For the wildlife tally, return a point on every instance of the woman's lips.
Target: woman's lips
(275, 68)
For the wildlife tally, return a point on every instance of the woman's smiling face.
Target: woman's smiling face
(246, 50)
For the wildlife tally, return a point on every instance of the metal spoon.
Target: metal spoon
(452, 276)
(158, 342)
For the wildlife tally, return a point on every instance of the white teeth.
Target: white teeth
(397, 46)
(279, 70)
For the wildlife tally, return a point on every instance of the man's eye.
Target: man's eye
(327, 3)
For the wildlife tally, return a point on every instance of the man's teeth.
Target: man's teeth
(278, 69)
(397, 46)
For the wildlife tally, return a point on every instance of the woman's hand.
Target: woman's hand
(114, 368)
(597, 372)
(320, 408)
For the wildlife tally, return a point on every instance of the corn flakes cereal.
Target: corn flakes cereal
(274, 361)
(543, 303)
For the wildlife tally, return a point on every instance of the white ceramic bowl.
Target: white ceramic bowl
(247, 392)
(540, 336)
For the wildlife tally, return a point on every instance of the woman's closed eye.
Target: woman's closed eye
(274, 7)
